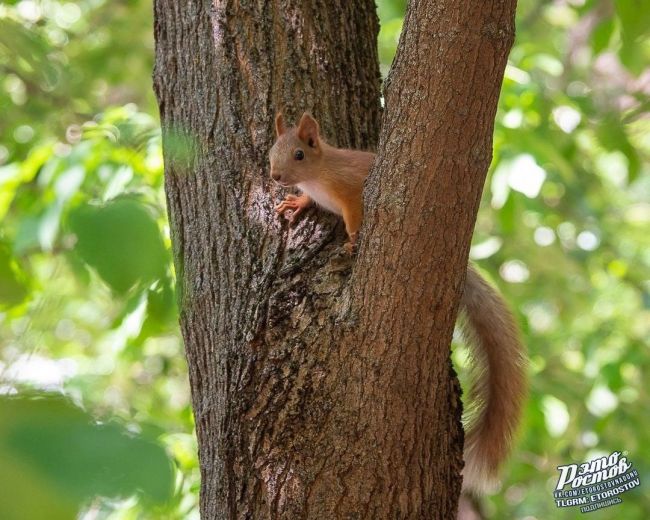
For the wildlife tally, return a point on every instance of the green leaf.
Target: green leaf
(121, 241)
(601, 35)
(56, 459)
(13, 282)
(12, 176)
(635, 22)
(635, 18)
(507, 214)
(27, 52)
(612, 136)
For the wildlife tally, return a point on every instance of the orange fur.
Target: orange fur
(334, 178)
(499, 383)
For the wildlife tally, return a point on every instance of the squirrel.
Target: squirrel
(333, 178)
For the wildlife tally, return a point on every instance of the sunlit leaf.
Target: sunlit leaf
(13, 281)
(635, 21)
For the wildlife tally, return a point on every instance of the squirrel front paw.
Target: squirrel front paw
(294, 203)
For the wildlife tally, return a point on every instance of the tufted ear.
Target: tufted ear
(308, 130)
(279, 124)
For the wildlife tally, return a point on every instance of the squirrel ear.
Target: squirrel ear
(308, 130)
(279, 124)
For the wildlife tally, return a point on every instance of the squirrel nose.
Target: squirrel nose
(275, 176)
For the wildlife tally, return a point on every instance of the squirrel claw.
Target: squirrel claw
(295, 204)
(351, 245)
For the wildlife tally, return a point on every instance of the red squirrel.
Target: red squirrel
(334, 178)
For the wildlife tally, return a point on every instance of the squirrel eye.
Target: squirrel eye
(298, 155)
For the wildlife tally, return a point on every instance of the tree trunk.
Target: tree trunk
(321, 384)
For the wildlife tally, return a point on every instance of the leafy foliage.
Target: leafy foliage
(65, 459)
(87, 305)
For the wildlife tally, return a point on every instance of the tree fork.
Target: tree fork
(321, 386)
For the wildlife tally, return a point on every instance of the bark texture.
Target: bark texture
(321, 385)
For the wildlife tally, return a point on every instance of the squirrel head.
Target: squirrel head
(297, 151)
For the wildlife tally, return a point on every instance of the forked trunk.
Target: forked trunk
(321, 384)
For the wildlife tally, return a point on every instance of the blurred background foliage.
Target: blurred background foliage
(95, 420)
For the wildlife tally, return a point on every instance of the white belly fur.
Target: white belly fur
(320, 196)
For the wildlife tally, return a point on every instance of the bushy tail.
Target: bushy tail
(499, 382)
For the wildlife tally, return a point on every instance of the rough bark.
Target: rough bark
(321, 385)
